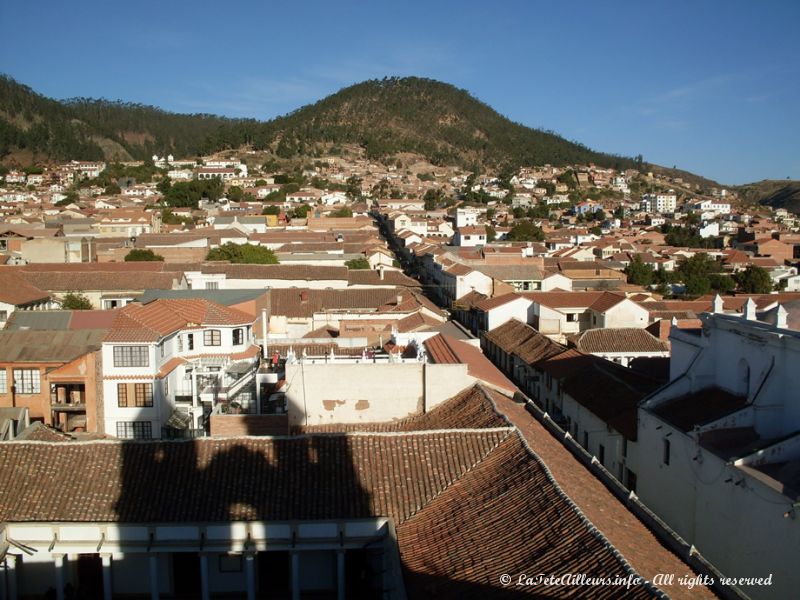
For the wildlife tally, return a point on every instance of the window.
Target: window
(212, 285)
(122, 395)
(131, 356)
(140, 393)
(26, 381)
(135, 430)
(3, 315)
(572, 317)
(190, 341)
(238, 337)
(586, 439)
(180, 343)
(212, 337)
(665, 456)
(3, 381)
(601, 454)
(624, 447)
(161, 349)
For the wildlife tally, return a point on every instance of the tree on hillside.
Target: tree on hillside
(491, 234)
(754, 280)
(695, 273)
(75, 301)
(639, 273)
(525, 231)
(271, 209)
(142, 255)
(244, 254)
(357, 263)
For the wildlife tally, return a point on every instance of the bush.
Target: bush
(75, 301)
(143, 255)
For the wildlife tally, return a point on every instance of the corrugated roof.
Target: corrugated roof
(48, 346)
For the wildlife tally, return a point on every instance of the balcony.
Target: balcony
(68, 406)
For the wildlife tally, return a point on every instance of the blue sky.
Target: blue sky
(712, 86)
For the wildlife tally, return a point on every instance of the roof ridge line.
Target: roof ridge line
(287, 437)
(589, 525)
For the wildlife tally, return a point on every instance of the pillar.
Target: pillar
(250, 574)
(11, 576)
(295, 575)
(340, 581)
(154, 593)
(107, 587)
(205, 593)
(59, 560)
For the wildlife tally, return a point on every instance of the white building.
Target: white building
(167, 364)
(659, 203)
(719, 448)
(466, 217)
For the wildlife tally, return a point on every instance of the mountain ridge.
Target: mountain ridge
(445, 124)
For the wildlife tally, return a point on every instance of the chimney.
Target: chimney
(717, 305)
(781, 317)
(750, 310)
(303, 297)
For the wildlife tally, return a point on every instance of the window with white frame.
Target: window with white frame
(135, 430)
(238, 337)
(131, 356)
(3, 381)
(27, 381)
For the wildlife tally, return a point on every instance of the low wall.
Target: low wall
(239, 425)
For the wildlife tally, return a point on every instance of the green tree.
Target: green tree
(143, 255)
(754, 280)
(301, 212)
(235, 193)
(721, 283)
(344, 212)
(75, 301)
(271, 209)
(112, 189)
(639, 273)
(244, 254)
(357, 263)
(433, 198)
(525, 231)
(491, 234)
(695, 272)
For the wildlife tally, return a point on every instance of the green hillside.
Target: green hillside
(443, 123)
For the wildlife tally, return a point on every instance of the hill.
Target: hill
(777, 193)
(439, 121)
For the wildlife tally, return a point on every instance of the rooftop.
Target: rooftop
(699, 408)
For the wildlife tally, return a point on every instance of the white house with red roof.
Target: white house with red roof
(168, 363)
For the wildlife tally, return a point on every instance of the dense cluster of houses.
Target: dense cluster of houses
(410, 361)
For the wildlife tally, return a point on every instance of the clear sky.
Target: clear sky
(709, 86)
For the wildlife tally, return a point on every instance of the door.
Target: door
(186, 574)
(90, 577)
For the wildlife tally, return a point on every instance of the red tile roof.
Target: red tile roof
(16, 290)
(152, 321)
(467, 505)
(443, 349)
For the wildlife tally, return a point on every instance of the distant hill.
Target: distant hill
(777, 193)
(439, 121)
